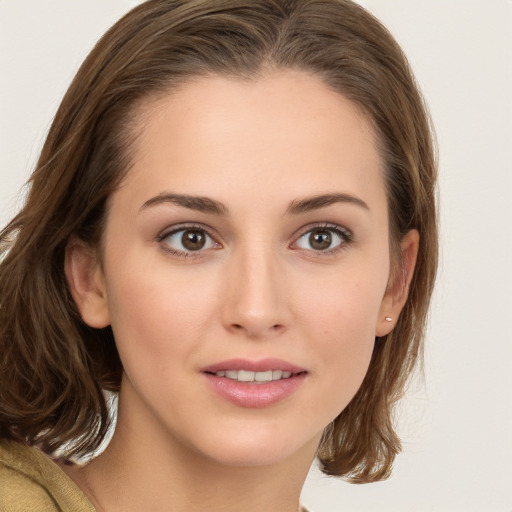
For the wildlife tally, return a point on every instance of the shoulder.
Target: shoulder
(30, 480)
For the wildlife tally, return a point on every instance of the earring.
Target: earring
(388, 319)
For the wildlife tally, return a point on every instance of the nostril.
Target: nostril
(272, 328)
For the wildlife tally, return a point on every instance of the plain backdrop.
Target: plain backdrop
(457, 423)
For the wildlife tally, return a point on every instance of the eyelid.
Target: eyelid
(327, 226)
(342, 231)
(171, 230)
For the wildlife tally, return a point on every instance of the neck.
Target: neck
(144, 469)
(122, 479)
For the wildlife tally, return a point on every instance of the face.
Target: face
(245, 266)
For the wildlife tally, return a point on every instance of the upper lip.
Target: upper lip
(261, 365)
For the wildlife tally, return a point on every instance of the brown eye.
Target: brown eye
(320, 240)
(324, 239)
(193, 240)
(187, 240)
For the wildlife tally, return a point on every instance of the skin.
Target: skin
(257, 289)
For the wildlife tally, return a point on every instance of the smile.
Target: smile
(254, 384)
(250, 376)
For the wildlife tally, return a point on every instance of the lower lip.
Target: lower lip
(252, 394)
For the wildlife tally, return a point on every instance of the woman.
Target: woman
(231, 226)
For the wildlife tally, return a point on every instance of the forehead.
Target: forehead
(286, 131)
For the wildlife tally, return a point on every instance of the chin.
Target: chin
(259, 456)
(253, 448)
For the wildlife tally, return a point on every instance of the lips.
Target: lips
(263, 365)
(254, 383)
(250, 376)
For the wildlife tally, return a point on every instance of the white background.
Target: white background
(457, 425)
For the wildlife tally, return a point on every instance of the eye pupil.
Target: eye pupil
(193, 240)
(320, 240)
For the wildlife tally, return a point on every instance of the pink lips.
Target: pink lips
(254, 366)
(252, 394)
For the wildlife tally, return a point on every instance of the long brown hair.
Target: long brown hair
(54, 368)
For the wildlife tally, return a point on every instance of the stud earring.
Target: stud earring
(388, 319)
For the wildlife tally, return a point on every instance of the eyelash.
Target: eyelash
(183, 228)
(343, 233)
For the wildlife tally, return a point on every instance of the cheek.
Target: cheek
(156, 315)
(341, 320)
(348, 328)
(344, 304)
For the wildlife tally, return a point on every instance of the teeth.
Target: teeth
(244, 376)
(263, 376)
(249, 376)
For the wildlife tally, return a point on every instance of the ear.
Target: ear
(398, 288)
(86, 282)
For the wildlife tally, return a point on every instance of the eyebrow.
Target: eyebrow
(198, 203)
(296, 207)
(321, 201)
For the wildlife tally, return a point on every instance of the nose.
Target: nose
(255, 303)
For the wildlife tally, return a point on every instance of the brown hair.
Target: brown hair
(54, 368)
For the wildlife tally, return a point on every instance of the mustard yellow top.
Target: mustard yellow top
(31, 482)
